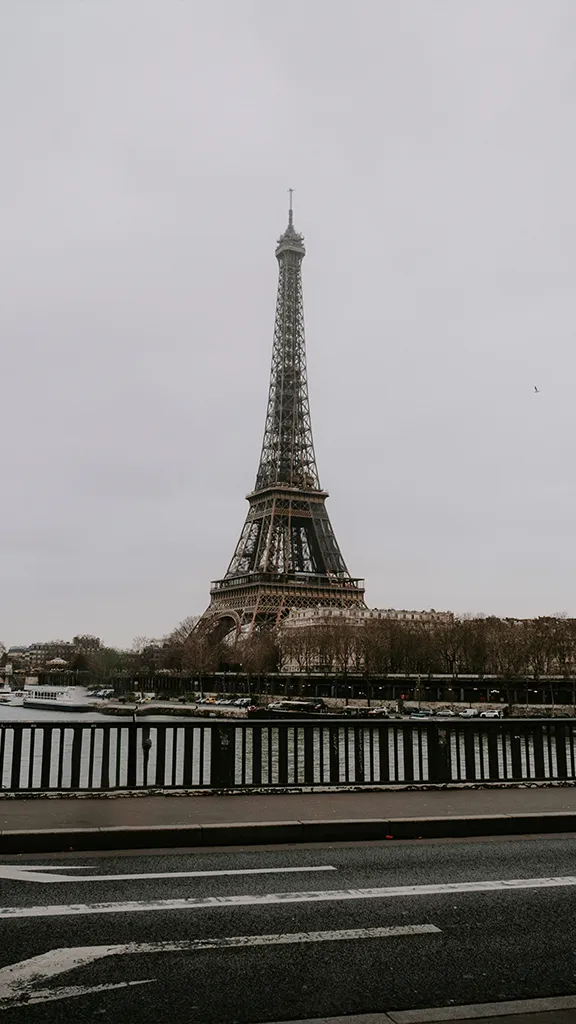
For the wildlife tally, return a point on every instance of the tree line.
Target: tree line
(507, 648)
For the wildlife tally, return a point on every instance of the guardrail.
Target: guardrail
(56, 756)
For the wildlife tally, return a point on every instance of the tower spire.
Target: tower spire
(287, 456)
(290, 211)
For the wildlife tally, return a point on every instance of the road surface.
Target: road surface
(290, 933)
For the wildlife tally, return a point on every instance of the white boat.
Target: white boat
(51, 699)
(43, 704)
(16, 698)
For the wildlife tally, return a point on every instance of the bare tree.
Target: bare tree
(200, 656)
(259, 652)
(293, 648)
(344, 639)
(375, 645)
(140, 643)
(449, 636)
(181, 633)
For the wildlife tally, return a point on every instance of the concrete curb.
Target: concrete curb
(289, 790)
(519, 1010)
(136, 837)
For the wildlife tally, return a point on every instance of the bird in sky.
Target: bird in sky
(536, 390)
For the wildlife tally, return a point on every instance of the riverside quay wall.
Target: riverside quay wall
(464, 688)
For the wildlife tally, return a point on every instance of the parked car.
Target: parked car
(243, 702)
(379, 713)
(422, 713)
(490, 713)
(469, 713)
(447, 713)
(288, 709)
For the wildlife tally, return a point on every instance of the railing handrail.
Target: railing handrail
(147, 721)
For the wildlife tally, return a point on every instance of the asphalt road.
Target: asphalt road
(357, 935)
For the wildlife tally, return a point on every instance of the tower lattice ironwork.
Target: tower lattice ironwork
(287, 555)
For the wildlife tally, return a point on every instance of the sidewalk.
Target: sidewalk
(199, 809)
(140, 822)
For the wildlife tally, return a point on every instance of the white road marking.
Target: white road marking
(21, 872)
(37, 873)
(49, 995)
(17, 980)
(269, 899)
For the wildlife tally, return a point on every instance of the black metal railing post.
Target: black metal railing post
(146, 748)
(132, 754)
(16, 758)
(438, 754)
(223, 756)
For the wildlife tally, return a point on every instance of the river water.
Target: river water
(35, 715)
(10, 713)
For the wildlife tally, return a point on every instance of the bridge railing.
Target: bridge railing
(60, 757)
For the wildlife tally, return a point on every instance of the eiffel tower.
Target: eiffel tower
(287, 555)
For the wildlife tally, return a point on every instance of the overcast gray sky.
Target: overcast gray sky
(147, 146)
